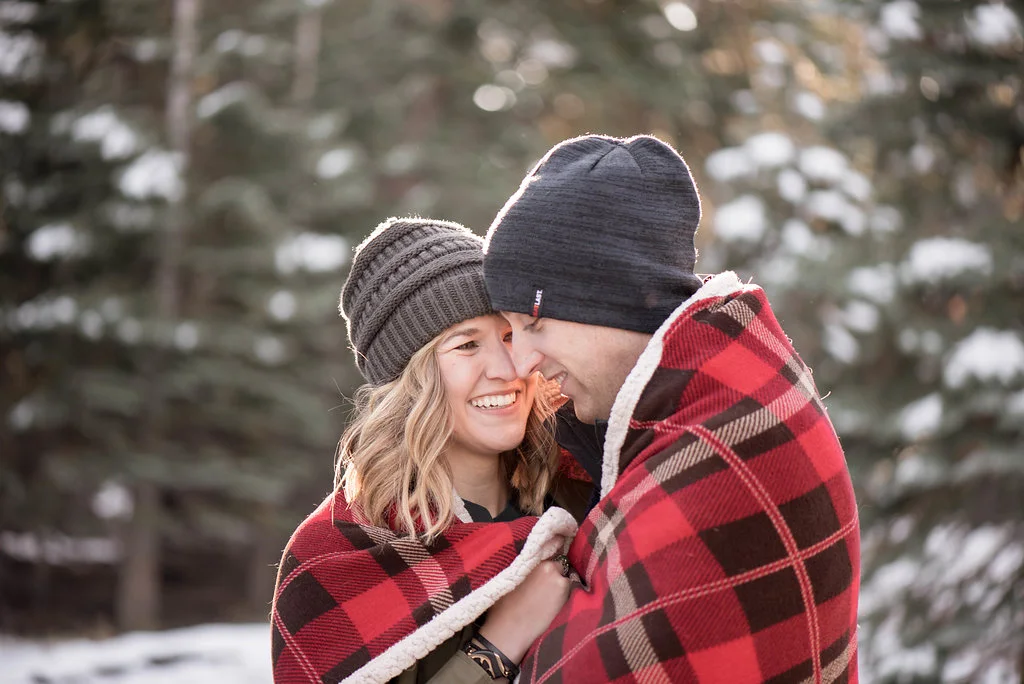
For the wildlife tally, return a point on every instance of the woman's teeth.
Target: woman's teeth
(494, 401)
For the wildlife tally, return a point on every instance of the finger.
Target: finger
(553, 566)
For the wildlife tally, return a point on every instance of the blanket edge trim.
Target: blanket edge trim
(552, 534)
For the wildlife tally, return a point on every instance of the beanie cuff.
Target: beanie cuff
(520, 297)
(421, 317)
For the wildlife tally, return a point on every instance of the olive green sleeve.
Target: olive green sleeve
(447, 663)
(460, 669)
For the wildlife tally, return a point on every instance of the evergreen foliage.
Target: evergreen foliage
(862, 162)
(937, 388)
(889, 240)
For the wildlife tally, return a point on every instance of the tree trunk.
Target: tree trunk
(263, 556)
(138, 591)
(307, 54)
(138, 596)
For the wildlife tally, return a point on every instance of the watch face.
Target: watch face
(493, 662)
(487, 661)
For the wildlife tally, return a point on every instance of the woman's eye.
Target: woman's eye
(508, 338)
(467, 346)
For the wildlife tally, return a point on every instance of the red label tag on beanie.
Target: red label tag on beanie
(536, 303)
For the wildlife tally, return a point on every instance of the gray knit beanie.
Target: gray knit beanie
(600, 232)
(410, 280)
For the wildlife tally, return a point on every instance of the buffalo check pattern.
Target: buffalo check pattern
(359, 603)
(725, 547)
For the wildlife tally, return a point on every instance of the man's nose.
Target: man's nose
(526, 358)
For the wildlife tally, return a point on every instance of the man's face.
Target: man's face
(589, 361)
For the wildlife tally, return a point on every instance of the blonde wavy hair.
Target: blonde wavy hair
(391, 458)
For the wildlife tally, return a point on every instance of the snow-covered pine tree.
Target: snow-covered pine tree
(247, 357)
(74, 279)
(889, 240)
(937, 388)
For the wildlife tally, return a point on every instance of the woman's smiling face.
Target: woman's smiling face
(489, 404)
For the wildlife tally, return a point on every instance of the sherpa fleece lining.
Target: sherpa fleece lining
(721, 285)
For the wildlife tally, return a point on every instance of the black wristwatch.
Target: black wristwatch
(485, 654)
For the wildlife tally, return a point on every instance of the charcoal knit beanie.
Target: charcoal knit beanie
(411, 279)
(600, 232)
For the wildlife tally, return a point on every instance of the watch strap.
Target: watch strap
(489, 657)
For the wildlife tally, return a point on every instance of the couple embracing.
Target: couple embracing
(686, 516)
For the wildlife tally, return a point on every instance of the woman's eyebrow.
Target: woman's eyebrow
(460, 331)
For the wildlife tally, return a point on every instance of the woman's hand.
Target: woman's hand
(518, 618)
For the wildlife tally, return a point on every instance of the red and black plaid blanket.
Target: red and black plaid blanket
(359, 602)
(725, 547)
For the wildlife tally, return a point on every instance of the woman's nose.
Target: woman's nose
(500, 365)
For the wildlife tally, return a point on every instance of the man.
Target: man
(724, 546)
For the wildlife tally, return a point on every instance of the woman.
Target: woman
(428, 561)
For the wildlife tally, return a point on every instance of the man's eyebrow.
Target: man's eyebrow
(460, 331)
(522, 318)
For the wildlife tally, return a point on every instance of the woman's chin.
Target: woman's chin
(502, 443)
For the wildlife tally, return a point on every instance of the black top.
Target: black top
(480, 514)
(585, 442)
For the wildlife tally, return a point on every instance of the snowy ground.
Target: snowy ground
(209, 654)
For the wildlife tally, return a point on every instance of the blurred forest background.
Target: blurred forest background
(182, 183)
